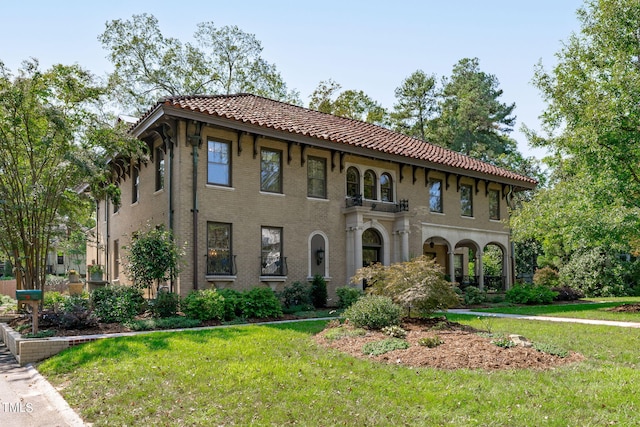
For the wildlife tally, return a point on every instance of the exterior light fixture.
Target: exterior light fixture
(319, 256)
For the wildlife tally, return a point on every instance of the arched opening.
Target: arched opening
(318, 255)
(370, 185)
(386, 187)
(466, 265)
(371, 248)
(494, 264)
(353, 182)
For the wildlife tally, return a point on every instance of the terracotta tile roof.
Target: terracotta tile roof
(267, 113)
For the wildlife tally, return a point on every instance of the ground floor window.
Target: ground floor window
(219, 254)
(272, 260)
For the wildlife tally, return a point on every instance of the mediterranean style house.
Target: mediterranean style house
(267, 193)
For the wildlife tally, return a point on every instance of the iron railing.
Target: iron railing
(356, 200)
(273, 265)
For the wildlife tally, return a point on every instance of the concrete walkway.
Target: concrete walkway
(28, 400)
(548, 318)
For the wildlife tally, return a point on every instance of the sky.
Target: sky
(362, 45)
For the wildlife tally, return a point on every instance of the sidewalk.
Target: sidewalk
(548, 318)
(28, 400)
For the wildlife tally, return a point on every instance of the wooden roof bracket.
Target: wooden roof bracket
(486, 187)
(255, 145)
(239, 136)
(426, 176)
(414, 168)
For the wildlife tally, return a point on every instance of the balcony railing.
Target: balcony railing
(356, 200)
(221, 265)
(273, 265)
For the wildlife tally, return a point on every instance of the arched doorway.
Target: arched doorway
(371, 247)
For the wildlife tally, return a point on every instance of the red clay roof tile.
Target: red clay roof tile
(267, 113)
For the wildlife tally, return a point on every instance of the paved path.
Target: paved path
(549, 318)
(28, 400)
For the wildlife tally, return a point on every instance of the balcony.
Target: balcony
(221, 264)
(378, 206)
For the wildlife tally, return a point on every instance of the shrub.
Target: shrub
(526, 293)
(166, 304)
(297, 294)
(595, 272)
(377, 348)
(343, 332)
(72, 313)
(546, 276)
(473, 295)
(232, 303)
(347, 296)
(417, 284)
(319, 291)
(503, 342)
(117, 303)
(550, 349)
(373, 312)
(53, 300)
(261, 303)
(394, 331)
(206, 304)
(430, 342)
(565, 293)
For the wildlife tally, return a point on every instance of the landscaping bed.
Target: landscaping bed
(461, 347)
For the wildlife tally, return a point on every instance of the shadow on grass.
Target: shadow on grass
(310, 327)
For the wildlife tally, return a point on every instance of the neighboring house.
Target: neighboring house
(263, 192)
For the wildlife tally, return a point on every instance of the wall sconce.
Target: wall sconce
(431, 244)
(319, 256)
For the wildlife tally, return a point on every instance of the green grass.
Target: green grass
(276, 375)
(596, 310)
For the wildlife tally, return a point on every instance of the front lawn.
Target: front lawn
(276, 375)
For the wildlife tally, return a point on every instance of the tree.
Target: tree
(53, 140)
(153, 256)
(473, 121)
(417, 104)
(418, 284)
(349, 103)
(148, 65)
(593, 93)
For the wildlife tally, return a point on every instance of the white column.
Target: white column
(480, 270)
(452, 268)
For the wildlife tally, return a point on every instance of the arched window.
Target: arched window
(370, 185)
(386, 188)
(353, 182)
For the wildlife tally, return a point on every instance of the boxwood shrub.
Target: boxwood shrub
(373, 312)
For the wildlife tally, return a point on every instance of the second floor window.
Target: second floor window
(466, 200)
(317, 177)
(370, 185)
(135, 187)
(271, 170)
(386, 187)
(218, 163)
(435, 195)
(219, 255)
(353, 182)
(159, 169)
(494, 204)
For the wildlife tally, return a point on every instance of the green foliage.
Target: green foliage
(347, 295)
(149, 65)
(373, 312)
(349, 103)
(261, 303)
(43, 333)
(416, 105)
(174, 322)
(153, 256)
(473, 295)
(49, 126)
(166, 304)
(232, 303)
(418, 284)
(503, 342)
(319, 291)
(376, 348)
(546, 276)
(343, 331)
(430, 342)
(595, 272)
(117, 303)
(53, 300)
(297, 294)
(204, 304)
(394, 331)
(526, 293)
(550, 349)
